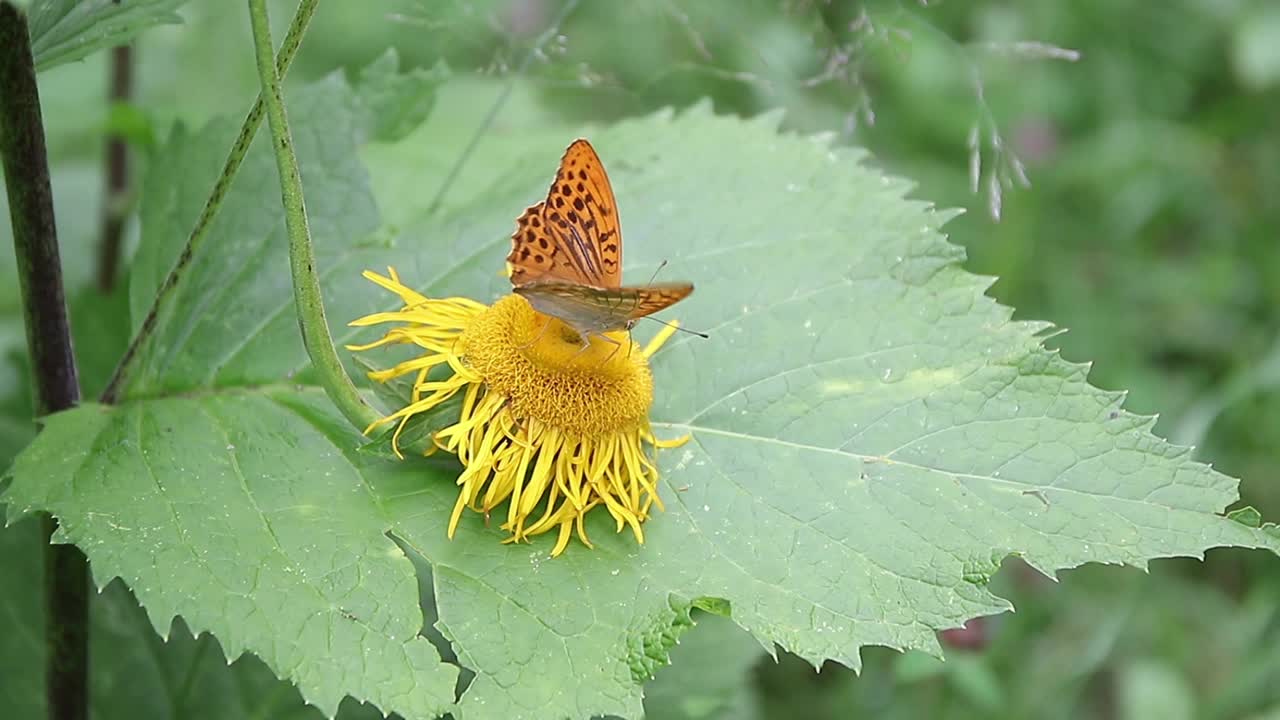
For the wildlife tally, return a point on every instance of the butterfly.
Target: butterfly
(566, 253)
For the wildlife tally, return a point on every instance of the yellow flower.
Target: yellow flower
(548, 426)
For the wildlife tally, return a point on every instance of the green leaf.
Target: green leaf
(395, 103)
(870, 434)
(66, 30)
(280, 552)
(1247, 516)
(134, 672)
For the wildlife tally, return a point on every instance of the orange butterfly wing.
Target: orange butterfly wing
(658, 296)
(573, 236)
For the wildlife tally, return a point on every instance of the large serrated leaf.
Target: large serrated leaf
(871, 435)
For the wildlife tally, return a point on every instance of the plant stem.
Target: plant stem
(302, 262)
(35, 238)
(35, 244)
(306, 9)
(66, 597)
(116, 194)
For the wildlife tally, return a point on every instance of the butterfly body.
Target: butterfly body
(566, 253)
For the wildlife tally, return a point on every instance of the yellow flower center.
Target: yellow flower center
(547, 373)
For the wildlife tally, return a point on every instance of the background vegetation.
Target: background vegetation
(1120, 163)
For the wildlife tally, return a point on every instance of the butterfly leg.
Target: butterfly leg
(537, 337)
(616, 347)
(631, 341)
(586, 345)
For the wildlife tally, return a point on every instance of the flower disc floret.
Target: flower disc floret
(546, 372)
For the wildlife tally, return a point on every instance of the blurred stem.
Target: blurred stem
(306, 9)
(116, 195)
(35, 244)
(302, 261)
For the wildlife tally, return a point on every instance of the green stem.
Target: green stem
(306, 285)
(35, 245)
(306, 9)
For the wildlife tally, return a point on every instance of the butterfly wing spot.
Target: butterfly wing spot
(526, 262)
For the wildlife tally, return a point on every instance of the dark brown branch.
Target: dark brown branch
(35, 242)
(115, 209)
(66, 587)
(35, 239)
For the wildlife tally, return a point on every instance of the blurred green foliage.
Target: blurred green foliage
(1150, 228)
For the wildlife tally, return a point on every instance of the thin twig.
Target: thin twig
(35, 244)
(306, 9)
(302, 260)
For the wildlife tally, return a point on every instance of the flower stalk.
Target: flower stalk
(35, 243)
(306, 284)
(301, 18)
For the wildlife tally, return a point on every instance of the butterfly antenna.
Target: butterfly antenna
(677, 327)
(655, 272)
